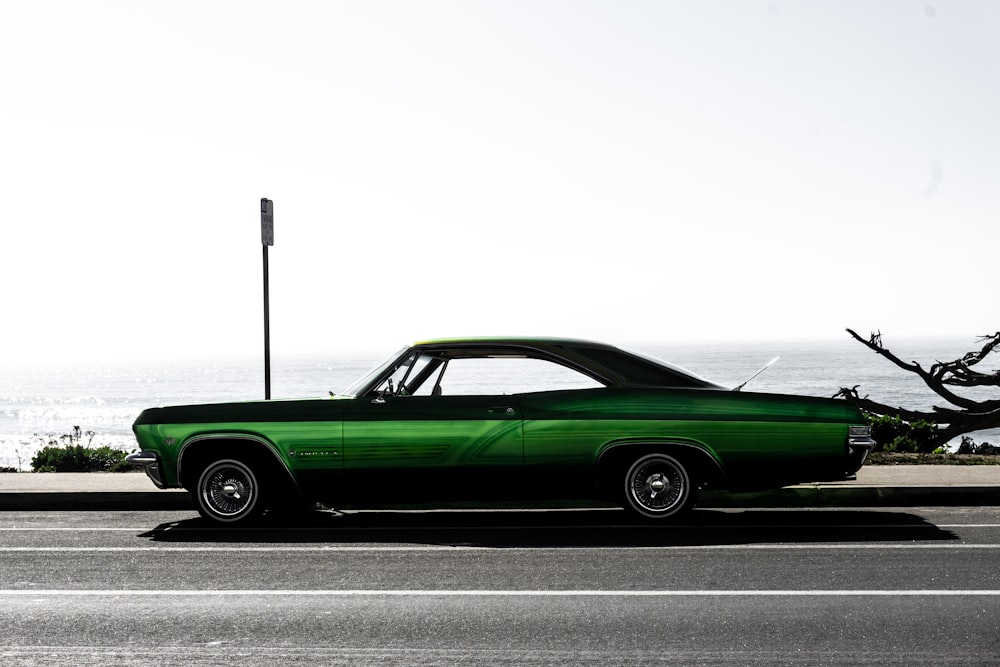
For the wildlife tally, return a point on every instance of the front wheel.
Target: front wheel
(229, 492)
(658, 487)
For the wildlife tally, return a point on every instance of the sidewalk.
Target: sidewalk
(87, 491)
(893, 486)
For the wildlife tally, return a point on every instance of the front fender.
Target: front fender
(196, 448)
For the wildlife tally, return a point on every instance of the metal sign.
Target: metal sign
(266, 222)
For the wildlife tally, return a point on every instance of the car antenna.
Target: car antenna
(766, 366)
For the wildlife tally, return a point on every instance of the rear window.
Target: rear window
(638, 370)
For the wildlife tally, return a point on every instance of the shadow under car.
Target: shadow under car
(578, 528)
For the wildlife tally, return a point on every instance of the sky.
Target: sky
(627, 171)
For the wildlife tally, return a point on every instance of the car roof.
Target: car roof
(531, 341)
(621, 368)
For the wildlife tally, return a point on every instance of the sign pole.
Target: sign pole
(267, 239)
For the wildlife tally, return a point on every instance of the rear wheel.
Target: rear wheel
(657, 486)
(229, 492)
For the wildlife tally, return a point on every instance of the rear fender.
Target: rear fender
(702, 464)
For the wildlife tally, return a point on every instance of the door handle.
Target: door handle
(502, 409)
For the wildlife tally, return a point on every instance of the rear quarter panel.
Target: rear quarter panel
(757, 439)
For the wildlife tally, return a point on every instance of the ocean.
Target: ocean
(43, 405)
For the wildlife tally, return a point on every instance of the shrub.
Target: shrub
(76, 458)
(895, 435)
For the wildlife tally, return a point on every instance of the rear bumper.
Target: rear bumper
(150, 463)
(857, 451)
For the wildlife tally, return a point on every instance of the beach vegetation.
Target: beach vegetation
(77, 458)
(895, 435)
(69, 453)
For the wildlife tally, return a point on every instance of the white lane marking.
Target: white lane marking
(465, 547)
(498, 593)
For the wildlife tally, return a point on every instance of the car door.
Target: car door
(402, 447)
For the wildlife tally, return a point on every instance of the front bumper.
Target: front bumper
(150, 462)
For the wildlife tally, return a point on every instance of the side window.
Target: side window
(404, 379)
(508, 375)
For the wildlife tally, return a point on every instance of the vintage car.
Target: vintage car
(486, 419)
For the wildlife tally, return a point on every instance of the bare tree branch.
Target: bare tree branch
(969, 416)
(960, 370)
(933, 378)
(868, 405)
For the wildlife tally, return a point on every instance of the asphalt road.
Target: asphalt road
(820, 586)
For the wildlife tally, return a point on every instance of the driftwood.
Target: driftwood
(964, 415)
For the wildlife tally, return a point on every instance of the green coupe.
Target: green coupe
(489, 419)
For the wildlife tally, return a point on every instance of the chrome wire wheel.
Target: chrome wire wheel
(657, 486)
(228, 491)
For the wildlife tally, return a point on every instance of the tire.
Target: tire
(657, 486)
(229, 492)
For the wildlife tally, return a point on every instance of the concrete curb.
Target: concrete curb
(95, 501)
(789, 497)
(876, 486)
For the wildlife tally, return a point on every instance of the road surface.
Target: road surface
(760, 587)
